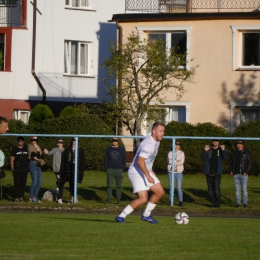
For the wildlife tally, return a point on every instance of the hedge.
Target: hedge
(192, 148)
(82, 125)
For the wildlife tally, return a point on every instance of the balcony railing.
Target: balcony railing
(170, 6)
(12, 13)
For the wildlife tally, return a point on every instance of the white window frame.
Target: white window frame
(168, 106)
(88, 6)
(235, 119)
(237, 35)
(67, 58)
(143, 31)
(17, 115)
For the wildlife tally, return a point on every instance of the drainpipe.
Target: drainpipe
(119, 80)
(33, 54)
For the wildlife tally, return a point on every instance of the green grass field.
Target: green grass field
(88, 236)
(92, 194)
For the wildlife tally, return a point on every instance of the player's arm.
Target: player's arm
(142, 166)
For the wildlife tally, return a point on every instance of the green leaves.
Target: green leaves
(144, 71)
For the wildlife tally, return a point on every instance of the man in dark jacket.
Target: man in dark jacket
(240, 165)
(20, 167)
(115, 162)
(213, 157)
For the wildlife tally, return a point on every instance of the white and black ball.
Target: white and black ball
(182, 218)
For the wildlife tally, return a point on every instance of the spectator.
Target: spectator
(213, 158)
(178, 169)
(56, 152)
(3, 125)
(115, 162)
(67, 170)
(143, 178)
(240, 165)
(36, 161)
(19, 168)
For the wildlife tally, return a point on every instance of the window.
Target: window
(77, 3)
(8, 2)
(76, 58)
(22, 115)
(176, 37)
(251, 49)
(246, 47)
(170, 111)
(249, 114)
(159, 114)
(174, 40)
(2, 51)
(241, 113)
(177, 114)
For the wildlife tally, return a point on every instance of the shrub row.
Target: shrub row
(74, 125)
(193, 149)
(91, 124)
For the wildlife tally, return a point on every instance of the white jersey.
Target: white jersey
(147, 149)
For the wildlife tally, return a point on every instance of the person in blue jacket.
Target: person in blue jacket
(213, 157)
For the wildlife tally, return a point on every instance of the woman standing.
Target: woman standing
(178, 169)
(67, 170)
(35, 157)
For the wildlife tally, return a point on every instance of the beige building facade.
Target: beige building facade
(226, 48)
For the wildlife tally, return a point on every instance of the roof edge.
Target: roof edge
(131, 17)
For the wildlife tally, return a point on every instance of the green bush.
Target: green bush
(192, 148)
(94, 148)
(69, 111)
(39, 113)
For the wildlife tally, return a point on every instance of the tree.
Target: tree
(145, 71)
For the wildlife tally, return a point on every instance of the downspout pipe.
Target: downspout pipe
(119, 80)
(33, 54)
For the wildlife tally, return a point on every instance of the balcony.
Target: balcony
(190, 6)
(12, 13)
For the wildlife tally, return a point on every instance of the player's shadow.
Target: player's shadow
(91, 195)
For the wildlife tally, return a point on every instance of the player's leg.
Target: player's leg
(157, 193)
(142, 199)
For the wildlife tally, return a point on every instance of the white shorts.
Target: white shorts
(139, 181)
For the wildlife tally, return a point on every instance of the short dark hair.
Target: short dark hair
(3, 119)
(156, 124)
(20, 138)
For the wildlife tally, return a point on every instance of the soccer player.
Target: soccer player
(143, 178)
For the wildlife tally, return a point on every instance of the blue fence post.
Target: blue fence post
(173, 166)
(76, 170)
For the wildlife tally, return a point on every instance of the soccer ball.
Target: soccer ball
(181, 218)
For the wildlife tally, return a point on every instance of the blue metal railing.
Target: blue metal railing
(173, 138)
